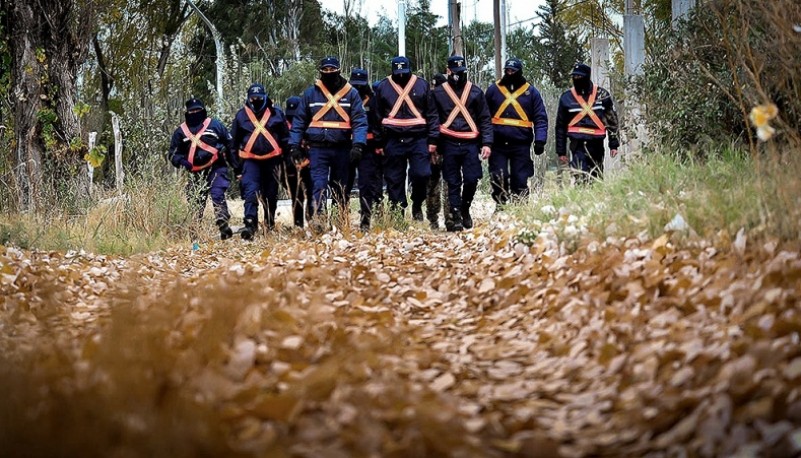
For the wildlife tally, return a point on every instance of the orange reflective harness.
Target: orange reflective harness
(403, 97)
(511, 99)
(586, 110)
(198, 143)
(259, 128)
(459, 107)
(370, 135)
(332, 103)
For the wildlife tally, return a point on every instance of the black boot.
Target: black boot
(433, 222)
(225, 230)
(417, 212)
(455, 222)
(249, 231)
(364, 224)
(467, 220)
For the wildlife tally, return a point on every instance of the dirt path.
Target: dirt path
(404, 344)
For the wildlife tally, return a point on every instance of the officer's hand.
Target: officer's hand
(539, 148)
(485, 152)
(356, 152)
(186, 164)
(563, 159)
(296, 154)
(379, 151)
(432, 149)
(613, 152)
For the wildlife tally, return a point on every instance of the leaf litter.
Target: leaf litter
(405, 344)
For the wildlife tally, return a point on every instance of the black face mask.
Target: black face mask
(257, 104)
(364, 91)
(402, 79)
(195, 119)
(582, 84)
(330, 80)
(457, 79)
(516, 79)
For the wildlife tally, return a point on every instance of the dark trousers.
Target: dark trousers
(588, 159)
(300, 188)
(329, 173)
(371, 182)
(437, 195)
(510, 167)
(461, 169)
(214, 182)
(402, 154)
(260, 180)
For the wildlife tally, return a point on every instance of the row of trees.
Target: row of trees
(66, 65)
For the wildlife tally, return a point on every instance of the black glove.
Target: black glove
(539, 148)
(186, 164)
(356, 152)
(296, 154)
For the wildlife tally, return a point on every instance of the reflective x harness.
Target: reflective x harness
(259, 128)
(197, 142)
(586, 110)
(403, 97)
(459, 107)
(332, 103)
(511, 99)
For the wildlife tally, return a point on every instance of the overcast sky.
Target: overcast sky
(519, 10)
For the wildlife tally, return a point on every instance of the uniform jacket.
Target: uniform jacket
(215, 135)
(604, 107)
(242, 129)
(386, 96)
(476, 106)
(313, 101)
(533, 106)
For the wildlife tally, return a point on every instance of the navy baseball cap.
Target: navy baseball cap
(456, 64)
(401, 65)
(329, 61)
(358, 77)
(581, 70)
(292, 105)
(513, 64)
(194, 103)
(257, 90)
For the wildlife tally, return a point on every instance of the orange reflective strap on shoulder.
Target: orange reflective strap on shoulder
(459, 108)
(259, 129)
(198, 143)
(403, 97)
(586, 110)
(333, 102)
(511, 99)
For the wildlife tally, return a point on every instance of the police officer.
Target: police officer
(519, 118)
(437, 191)
(332, 120)
(199, 145)
(297, 177)
(466, 138)
(370, 167)
(586, 115)
(410, 130)
(259, 134)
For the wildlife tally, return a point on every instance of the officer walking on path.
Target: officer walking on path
(586, 115)
(410, 129)
(519, 118)
(466, 139)
(259, 134)
(332, 120)
(297, 178)
(199, 145)
(437, 198)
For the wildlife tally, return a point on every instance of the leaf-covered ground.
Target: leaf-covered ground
(405, 344)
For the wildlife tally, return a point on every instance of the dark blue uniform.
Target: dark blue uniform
(329, 139)
(370, 169)
(209, 174)
(461, 145)
(258, 160)
(586, 136)
(510, 164)
(406, 133)
(298, 179)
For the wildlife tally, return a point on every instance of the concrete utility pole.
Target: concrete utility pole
(454, 13)
(634, 55)
(504, 29)
(600, 61)
(401, 27)
(218, 45)
(496, 15)
(681, 9)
